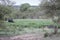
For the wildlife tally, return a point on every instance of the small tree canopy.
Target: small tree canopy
(24, 7)
(4, 10)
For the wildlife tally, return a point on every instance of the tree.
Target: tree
(8, 4)
(52, 9)
(4, 10)
(24, 7)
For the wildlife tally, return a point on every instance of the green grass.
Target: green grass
(30, 22)
(19, 24)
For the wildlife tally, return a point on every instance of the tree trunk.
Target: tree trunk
(2, 24)
(55, 19)
(55, 30)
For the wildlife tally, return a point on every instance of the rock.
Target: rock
(10, 20)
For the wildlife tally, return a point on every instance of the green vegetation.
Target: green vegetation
(20, 24)
(52, 9)
(27, 17)
(30, 23)
(24, 7)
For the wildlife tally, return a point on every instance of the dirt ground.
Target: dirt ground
(32, 37)
(23, 37)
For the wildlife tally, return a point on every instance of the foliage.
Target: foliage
(51, 8)
(20, 24)
(4, 10)
(24, 7)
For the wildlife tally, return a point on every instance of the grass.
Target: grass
(22, 26)
(30, 22)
